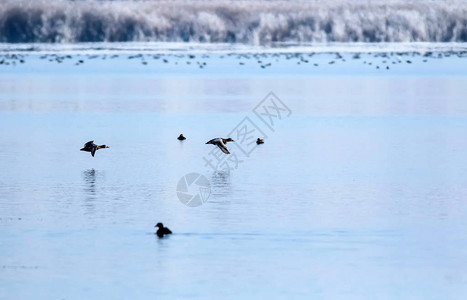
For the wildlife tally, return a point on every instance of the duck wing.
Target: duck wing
(93, 150)
(222, 146)
(213, 141)
(88, 144)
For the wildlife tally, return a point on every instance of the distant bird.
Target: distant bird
(259, 141)
(162, 230)
(181, 137)
(91, 147)
(220, 142)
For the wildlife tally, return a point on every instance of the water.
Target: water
(359, 193)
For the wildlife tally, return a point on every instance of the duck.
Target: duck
(220, 142)
(181, 137)
(162, 230)
(259, 141)
(91, 147)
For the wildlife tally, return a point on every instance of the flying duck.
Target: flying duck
(91, 147)
(259, 141)
(220, 142)
(162, 230)
(181, 137)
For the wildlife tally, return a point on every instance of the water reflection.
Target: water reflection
(221, 185)
(91, 180)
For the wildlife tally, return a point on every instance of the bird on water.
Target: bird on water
(91, 147)
(162, 230)
(181, 137)
(259, 141)
(220, 142)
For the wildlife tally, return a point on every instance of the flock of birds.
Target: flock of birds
(264, 60)
(219, 142)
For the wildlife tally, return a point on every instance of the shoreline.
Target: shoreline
(223, 48)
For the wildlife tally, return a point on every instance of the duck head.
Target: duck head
(159, 225)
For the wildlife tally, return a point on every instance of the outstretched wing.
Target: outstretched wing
(213, 141)
(93, 150)
(88, 144)
(222, 146)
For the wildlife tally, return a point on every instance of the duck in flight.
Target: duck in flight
(181, 137)
(220, 142)
(162, 230)
(91, 147)
(259, 141)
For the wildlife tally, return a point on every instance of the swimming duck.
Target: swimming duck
(162, 230)
(181, 137)
(91, 147)
(259, 141)
(220, 142)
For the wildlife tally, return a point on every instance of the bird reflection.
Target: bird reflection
(220, 183)
(90, 178)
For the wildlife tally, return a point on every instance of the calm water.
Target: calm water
(359, 193)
